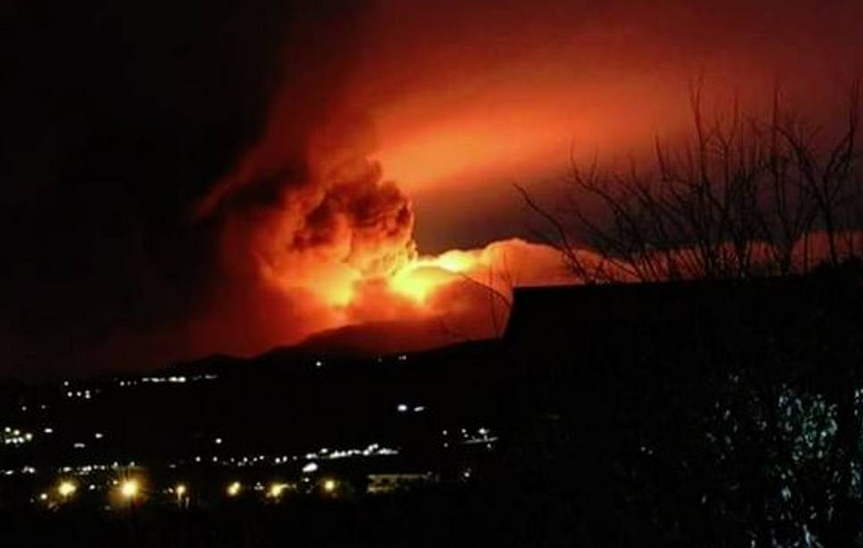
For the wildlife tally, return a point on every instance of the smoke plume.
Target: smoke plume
(330, 240)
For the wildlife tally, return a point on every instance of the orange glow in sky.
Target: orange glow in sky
(407, 208)
(467, 144)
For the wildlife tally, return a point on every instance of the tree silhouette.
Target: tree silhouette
(745, 196)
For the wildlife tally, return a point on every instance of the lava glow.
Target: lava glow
(333, 245)
(421, 277)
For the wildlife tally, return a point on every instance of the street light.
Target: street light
(277, 489)
(234, 489)
(130, 489)
(67, 488)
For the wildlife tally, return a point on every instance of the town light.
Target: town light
(234, 489)
(180, 490)
(130, 488)
(329, 485)
(67, 488)
(277, 489)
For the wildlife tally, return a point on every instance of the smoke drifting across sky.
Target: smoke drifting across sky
(173, 179)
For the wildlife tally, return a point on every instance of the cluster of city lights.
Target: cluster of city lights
(276, 490)
(86, 393)
(82, 470)
(372, 450)
(172, 379)
(463, 436)
(159, 380)
(130, 489)
(78, 393)
(15, 436)
(459, 437)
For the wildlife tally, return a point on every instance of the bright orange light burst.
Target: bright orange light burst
(420, 277)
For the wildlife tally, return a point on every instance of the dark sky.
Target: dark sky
(119, 117)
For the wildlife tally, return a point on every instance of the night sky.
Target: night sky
(146, 150)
